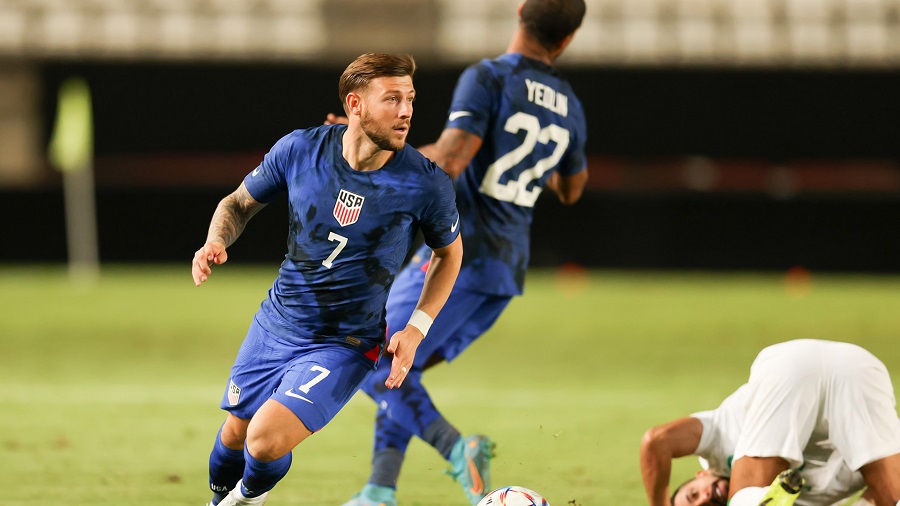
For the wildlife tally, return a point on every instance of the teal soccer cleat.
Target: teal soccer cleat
(373, 495)
(471, 459)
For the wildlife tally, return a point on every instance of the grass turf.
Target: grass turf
(110, 392)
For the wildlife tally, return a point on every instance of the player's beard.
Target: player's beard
(382, 137)
(720, 499)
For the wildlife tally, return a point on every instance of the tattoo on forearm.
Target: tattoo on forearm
(231, 216)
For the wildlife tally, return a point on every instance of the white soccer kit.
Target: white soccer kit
(826, 407)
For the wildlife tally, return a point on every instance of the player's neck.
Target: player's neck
(525, 45)
(361, 153)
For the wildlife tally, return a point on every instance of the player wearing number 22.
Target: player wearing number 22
(515, 127)
(357, 196)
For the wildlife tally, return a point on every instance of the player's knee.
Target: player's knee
(748, 496)
(432, 361)
(268, 445)
(234, 432)
(379, 375)
(883, 480)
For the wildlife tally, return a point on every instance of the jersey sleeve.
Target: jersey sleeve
(440, 222)
(472, 103)
(709, 437)
(267, 180)
(721, 428)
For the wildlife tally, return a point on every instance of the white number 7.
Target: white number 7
(323, 373)
(342, 241)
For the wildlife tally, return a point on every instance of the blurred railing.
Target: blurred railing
(830, 33)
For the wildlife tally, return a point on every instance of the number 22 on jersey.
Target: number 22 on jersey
(516, 190)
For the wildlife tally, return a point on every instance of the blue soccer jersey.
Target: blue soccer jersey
(348, 235)
(531, 124)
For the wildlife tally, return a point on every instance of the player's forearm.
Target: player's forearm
(441, 276)
(453, 150)
(659, 446)
(569, 188)
(656, 470)
(231, 216)
(442, 155)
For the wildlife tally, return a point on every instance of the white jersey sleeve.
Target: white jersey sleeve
(721, 430)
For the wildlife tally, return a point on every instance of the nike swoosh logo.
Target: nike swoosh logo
(458, 114)
(298, 396)
(453, 228)
(255, 171)
(477, 483)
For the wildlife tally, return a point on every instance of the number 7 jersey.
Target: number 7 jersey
(348, 234)
(531, 124)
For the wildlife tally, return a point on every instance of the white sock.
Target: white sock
(750, 496)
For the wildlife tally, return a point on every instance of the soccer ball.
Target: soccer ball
(513, 496)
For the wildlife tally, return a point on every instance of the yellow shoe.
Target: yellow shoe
(784, 490)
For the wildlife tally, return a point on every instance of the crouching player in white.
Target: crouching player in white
(824, 408)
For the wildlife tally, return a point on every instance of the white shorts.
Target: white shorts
(819, 392)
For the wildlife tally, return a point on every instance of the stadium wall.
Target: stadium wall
(190, 107)
(605, 230)
(172, 139)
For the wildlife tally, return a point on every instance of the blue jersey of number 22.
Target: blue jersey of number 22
(349, 232)
(531, 124)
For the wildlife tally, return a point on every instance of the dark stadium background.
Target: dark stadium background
(172, 139)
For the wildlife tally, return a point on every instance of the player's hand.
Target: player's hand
(403, 345)
(334, 119)
(211, 253)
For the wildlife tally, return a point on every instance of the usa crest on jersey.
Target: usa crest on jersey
(234, 393)
(348, 207)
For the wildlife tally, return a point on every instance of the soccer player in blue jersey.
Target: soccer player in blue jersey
(357, 194)
(515, 127)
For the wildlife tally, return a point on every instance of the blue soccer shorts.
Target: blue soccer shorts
(465, 317)
(313, 381)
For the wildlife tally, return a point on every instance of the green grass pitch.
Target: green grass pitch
(109, 394)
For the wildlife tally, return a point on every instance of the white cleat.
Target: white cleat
(236, 498)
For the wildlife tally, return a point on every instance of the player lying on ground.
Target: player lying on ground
(824, 408)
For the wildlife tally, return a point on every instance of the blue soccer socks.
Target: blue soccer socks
(260, 477)
(226, 466)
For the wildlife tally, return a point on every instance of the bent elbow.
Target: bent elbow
(653, 438)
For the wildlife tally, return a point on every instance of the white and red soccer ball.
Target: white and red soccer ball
(513, 496)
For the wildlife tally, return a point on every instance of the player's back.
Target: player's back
(531, 123)
(537, 126)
